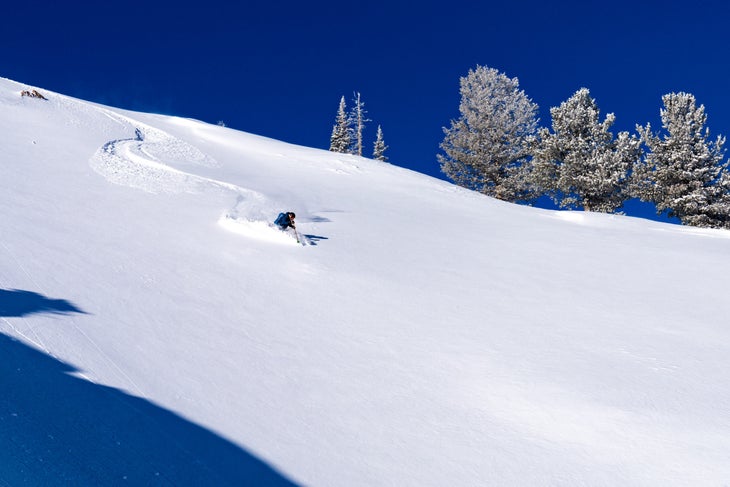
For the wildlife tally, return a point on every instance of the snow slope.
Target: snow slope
(154, 330)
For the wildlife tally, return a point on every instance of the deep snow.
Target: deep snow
(154, 329)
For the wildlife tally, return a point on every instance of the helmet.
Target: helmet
(291, 214)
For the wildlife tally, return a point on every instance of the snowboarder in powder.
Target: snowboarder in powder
(285, 220)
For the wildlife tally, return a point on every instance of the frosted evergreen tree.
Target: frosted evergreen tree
(717, 213)
(683, 172)
(580, 163)
(487, 148)
(357, 121)
(341, 138)
(380, 147)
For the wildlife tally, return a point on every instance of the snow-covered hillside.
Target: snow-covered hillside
(154, 330)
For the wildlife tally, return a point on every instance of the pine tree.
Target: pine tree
(380, 147)
(341, 138)
(487, 147)
(580, 163)
(358, 121)
(717, 213)
(683, 172)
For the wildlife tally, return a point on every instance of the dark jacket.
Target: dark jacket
(284, 220)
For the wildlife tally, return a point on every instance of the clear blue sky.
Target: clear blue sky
(278, 69)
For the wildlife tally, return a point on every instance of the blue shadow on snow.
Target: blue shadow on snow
(57, 429)
(313, 239)
(17, 303)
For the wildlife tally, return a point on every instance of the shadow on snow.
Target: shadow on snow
(17, 303)
(57, 429)
(313, 239)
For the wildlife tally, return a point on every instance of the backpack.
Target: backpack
(282, 220)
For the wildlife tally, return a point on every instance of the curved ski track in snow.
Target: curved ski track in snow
(141, 162)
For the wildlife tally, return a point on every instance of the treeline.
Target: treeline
(497, 148)
(347, 133)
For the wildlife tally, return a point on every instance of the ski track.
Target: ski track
(38, 342)
(142, 162)
(138, 162)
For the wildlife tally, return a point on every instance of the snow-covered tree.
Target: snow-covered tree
(341, 138)
(487, 147)
(357, 121)
(683, 172)
(380, 147)
(580, 163)
(717, 213)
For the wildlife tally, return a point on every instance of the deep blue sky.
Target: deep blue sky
(278, 69)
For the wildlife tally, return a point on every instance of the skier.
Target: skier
(286, 220)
